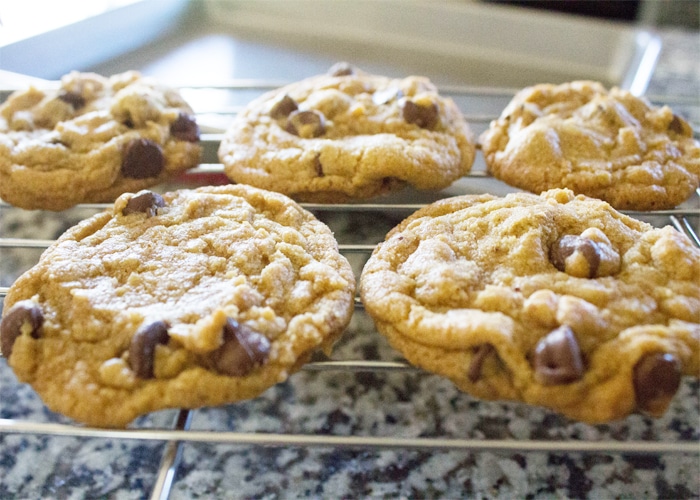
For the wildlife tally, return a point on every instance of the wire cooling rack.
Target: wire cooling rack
(215, 106)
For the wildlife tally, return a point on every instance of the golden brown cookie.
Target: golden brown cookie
(605, 144)
(348, 135)
(193, 298)
(554, 300)
(92, 139)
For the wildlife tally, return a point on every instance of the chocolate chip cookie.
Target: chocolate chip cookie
(187, 299)
(555, 300)
(605, 144)
(348, 135)
(92, 139)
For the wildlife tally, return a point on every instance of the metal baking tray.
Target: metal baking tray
(455, 42)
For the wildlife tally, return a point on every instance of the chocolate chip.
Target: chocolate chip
(142, 158)
(284, 107)
(145, 202)
(306, 124)
(570, 244)
(385, 95)
(143, 346)
(75, 100)
(557, 358)
(341, 69)
(679, 126)
(481, 352)
(185, 128)
(423, 115)
(243, 349)
(657, 376)
(318, 166)
(23, 313)
(390, 183)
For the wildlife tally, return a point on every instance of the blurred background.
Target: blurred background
(661, 13)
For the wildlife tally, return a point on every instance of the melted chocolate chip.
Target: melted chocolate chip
(143, 347)
(185, 128)
(145, 202)
(142, 158)
(569, 244)
(423, 115)
(341, 69)
(306, 124)
(283, 108)
(481, 352)
(75, 100)
(22, 313)
(657, 377)
(557, 358)
(243, 349)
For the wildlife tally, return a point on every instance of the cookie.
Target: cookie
(556, 300)
(92, 139)
(193, 298)
(609, 145)
(348, 135)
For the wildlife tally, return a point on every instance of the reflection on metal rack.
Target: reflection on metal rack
(685, 218)
(181, 433)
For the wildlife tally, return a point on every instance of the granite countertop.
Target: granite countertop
(403, 404)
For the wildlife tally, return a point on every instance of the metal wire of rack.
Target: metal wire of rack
(685, 218)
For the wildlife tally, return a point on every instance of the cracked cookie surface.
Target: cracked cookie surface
(348, 135)
(609, 145)
(92, 139)
(193, 298)
(554, 300)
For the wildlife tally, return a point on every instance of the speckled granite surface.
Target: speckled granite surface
(386, 404)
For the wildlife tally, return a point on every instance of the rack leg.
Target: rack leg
(170, 459)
